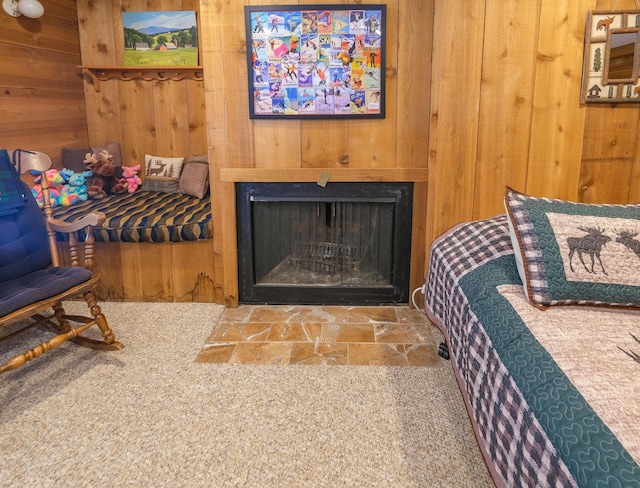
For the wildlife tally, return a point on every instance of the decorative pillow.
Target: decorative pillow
(73, 159)
(112, 148)
(160, 184)
(159, 166)
(194, 179)
(575, 253)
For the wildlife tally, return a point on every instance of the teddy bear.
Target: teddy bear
(130, 175)
(104, 180)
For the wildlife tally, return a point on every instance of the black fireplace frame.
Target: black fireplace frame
(401, 193)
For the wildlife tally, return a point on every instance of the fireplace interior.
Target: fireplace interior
(344, 243)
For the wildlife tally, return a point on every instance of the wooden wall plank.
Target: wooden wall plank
(212, 26)
(610, 145)
(277, 143)
(372, 142)
(455, 101)
(325, 144)
(138, 124)
(171, 118)
(418, 270)
(197, 117)
(191, 280)
(24, 66)
(157, 284)
(107, 264)
(413, 72)
(634, 190)
(605, 181)
(508, 64)
(558, 119)
(41, 96)
(53, 34)
(97, 31)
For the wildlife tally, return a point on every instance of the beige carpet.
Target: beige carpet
(149, 416)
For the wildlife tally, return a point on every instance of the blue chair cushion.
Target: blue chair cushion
(39, 285)
(24, 245)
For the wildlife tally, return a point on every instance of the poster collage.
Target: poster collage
(319, 62)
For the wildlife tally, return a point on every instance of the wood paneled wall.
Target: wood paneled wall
(494, 103)
(162, 118)
(42, 103)
(505, 110)
(294, 150)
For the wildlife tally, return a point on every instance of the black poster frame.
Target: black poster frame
(316, 61)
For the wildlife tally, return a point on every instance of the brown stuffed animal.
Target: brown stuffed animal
(104, 181)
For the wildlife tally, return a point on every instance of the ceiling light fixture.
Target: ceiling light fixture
(28, 8)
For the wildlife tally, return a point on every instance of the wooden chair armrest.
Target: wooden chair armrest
(89, 220)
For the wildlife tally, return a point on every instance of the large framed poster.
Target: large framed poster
(316, 61)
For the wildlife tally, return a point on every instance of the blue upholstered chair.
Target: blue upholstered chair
(33, 278)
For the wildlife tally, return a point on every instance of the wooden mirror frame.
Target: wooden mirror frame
(597, 86)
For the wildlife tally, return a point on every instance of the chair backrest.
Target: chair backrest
(24, 243)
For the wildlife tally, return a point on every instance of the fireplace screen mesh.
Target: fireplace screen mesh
(323, 243)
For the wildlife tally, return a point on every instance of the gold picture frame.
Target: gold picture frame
(610, 72)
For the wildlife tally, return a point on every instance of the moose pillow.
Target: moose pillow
(575, 253)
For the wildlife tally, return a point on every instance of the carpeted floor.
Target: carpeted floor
(150, 416)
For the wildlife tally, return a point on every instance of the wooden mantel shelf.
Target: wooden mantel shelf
(161, 73)
(263, 175)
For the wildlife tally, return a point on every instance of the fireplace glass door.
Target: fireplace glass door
(343, 243)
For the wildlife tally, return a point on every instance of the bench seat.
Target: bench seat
(146, 216)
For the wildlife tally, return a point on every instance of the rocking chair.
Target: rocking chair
(33, 278)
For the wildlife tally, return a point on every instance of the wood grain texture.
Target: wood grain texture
(42, 104)
(164, 272)
(281, 146)
(483, 93)
(162, 118)
(558, 120)
(506, 93)
(455, 103)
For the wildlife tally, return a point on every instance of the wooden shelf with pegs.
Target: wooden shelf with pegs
(150, 73)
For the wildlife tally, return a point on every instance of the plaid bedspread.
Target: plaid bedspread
(533, 427)
(146, 216)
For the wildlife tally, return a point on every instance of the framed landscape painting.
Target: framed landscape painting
(160, 38)
(316, 61)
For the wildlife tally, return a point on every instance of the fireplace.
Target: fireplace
(344, 243)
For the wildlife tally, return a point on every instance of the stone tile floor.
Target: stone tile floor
(332, 335)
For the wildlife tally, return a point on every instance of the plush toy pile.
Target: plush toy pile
(66, 187)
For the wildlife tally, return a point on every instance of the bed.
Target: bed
(551, 384)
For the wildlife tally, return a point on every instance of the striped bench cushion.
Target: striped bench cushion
(146, 216)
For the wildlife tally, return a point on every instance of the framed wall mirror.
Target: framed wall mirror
(611, 57)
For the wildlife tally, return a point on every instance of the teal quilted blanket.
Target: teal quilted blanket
(532, 419)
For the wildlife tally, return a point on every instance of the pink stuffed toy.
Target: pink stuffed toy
(130, 175)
